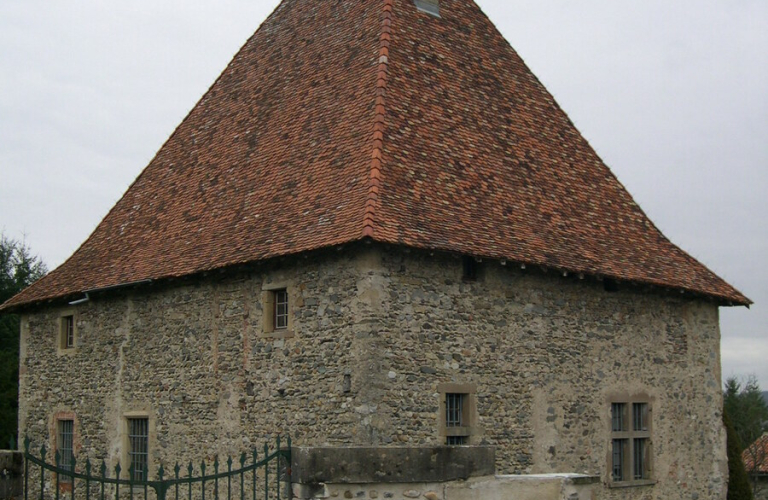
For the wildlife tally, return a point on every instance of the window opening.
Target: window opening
(454, 410)
(65, 447)
(68, 332)
(470, 267)
(431, 7)
(281, 309)
(630, 443)
(456, 440)
(138, 448)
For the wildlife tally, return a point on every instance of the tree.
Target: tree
(19, 268)
(744, 403)
(738, 482)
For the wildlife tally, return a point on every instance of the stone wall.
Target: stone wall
(11, 474)
(375, 332)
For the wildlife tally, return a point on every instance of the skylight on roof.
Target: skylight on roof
(431, 7)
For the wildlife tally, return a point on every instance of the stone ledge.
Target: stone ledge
(366, 465)
(11, 474)
(12, 461)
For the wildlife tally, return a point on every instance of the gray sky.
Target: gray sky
(672, 95)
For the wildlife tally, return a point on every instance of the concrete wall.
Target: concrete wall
(431, 473)
(544, 487)
(375, 334)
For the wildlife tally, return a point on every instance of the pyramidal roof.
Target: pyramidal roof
(349, 120)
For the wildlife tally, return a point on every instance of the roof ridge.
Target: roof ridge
(374, 179)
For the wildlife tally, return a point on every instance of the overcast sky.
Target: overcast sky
(672, 94)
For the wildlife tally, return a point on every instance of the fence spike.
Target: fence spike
(27, 442)
(216, 464)
(160, 473)
(43, 451)
(87, 466)
(289, 442)
(202, 468)
(117, 470)
(74, 463)
(255, 456)
(229, 461)
(177, 469)
(103, 468)
(190, 469)
(57, 457)
(242, 460)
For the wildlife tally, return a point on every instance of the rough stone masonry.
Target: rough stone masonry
(375, 331)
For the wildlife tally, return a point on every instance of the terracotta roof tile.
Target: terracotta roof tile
(351, 119)
(755, 457)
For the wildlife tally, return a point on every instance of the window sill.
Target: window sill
(278, 334)
(633, 484)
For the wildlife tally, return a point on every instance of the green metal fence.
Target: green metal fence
(260, 475)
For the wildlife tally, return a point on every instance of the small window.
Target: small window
(454, 410)
(67, 332)
(277, 313)
(457, 413)
(470, 268)
(457, 440)
(65, 448)
(281, 309)
(456, 418)
(138, 448)
(610, 285)
(630, 442)
(431, 7)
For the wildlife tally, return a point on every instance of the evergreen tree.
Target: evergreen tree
(18, 269)
(738, 482)
(747, 409)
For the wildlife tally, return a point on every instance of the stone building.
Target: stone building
(378, 228)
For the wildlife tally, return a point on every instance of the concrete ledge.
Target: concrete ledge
(364, 465)
(566, 478)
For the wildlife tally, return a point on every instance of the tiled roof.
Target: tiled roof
(755, 457)
(345, 120)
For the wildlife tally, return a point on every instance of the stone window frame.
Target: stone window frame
(630, 435)
(268, 300)
(66, 320)
(470, 430)
(54, 444)
(126, 442)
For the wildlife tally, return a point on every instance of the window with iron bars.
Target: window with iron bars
(138, 448)
(630, 442)
(65, 447)
(455, 416)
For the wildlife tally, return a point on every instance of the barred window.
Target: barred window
(456, 440)
(65, 448)
(454, 406)
(630, 442)
(138, 448)
(456, 418)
